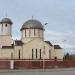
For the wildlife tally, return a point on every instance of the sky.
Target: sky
(59, 14)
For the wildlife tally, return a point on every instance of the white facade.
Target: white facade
(31, 45)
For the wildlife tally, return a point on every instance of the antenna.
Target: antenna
(32, 17)
(6, 14)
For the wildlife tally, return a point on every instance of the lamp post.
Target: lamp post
(44, 51)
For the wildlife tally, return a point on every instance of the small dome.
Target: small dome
(6, 20)
(34, 24)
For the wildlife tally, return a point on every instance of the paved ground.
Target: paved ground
(38, 72)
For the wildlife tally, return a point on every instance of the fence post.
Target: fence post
(11, 64)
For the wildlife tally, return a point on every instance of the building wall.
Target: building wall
(6, 40)
(59, 53)
(18, 52)
(47, 51)
(37, 44)
(6, 53)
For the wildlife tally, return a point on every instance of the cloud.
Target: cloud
(55, 33)
(65, 40)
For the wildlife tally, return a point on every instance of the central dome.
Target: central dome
(32, 24)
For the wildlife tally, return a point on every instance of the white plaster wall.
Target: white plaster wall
(59, 53)
(6, 40)
(6, 53)
(39, 44)
(16, 52)
(32, 33)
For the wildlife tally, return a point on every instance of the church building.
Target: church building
(30, 46)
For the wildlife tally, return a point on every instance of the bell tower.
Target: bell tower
(5, 26)
(5, 32)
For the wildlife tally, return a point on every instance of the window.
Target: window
(25, 32)
(36, 53)
(40, 53)
(34, 32)
(2, 28)
(32, 53)
(49, 54)
(5, 25)
(38, 32)
(29, 32)
(19, 54)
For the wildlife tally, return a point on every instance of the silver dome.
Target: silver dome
(33, 24)
(6, 20)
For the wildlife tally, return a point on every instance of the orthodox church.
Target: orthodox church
(30, 46)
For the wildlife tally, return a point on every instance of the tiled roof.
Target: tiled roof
(9, 47)
(18, 43)
(57, 47)
(49, 43)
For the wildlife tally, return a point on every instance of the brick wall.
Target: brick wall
(23, 64)
(4, 65)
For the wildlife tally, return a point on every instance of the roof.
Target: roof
(32, 24)
(6, 20)
(49, 43)
(8, 47)
(57, 47)
(18, 43)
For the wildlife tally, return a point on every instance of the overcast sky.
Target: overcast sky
(59, 14)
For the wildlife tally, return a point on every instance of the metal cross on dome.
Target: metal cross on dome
(32, 17)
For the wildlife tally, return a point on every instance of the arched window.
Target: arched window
(25, 32)
(2, 28)
(19, 54)
(5, 25)
(36, 52)
(40, 53)
(32, 54)
(34, 32)
(49, 54)
(29, 32)
(38, 32)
